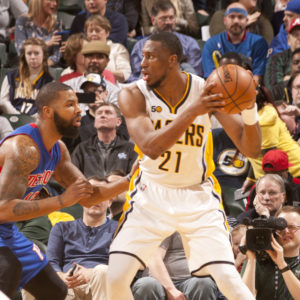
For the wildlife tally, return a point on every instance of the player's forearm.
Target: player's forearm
(156, 142)
(106, 192)
(20, 210)
(251, 141)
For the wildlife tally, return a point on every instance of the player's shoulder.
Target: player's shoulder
(131, 89)
(20, 150)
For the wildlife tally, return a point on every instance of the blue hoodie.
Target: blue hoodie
(279, 42)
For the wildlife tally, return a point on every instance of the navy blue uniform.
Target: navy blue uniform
(29, 255)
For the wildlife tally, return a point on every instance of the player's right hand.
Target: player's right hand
(208, 102)
(79, 190)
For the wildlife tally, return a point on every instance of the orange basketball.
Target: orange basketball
(236, 85)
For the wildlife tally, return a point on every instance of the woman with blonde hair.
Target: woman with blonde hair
(21, 86)
(40, 22)
(98, 28)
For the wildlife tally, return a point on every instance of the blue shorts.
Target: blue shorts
(29, 255)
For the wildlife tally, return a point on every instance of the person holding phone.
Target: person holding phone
(40, 22)
(78, 250)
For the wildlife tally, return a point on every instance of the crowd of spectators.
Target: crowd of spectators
(99, 52)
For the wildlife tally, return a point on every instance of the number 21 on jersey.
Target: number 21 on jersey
(168, 155)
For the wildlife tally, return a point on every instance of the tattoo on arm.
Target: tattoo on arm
(25, 208)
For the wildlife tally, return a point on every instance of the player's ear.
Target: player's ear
(173, 59)
(47, 111)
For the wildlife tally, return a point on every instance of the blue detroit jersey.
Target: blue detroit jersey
(48, 161)
(30, 256)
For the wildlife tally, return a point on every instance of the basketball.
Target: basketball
(236, 85)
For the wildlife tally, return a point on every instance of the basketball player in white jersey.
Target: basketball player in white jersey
(168, 116)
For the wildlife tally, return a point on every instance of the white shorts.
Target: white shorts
(156, 212)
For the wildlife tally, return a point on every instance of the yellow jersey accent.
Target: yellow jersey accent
(189, 161)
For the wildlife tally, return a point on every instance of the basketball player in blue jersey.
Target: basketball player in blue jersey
(168, 116)
(28, 158)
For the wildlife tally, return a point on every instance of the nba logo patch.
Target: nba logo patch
(143, 187)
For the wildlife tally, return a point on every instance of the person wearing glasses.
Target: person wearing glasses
(278, 277)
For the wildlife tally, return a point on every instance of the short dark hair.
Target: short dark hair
(162, 5)
(233, 55)
(169, 41)
(48, 93)
(116, 108)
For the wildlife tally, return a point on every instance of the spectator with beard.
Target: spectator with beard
(236, 39)
(28, 158)
(163, 18)
(105, 151)
(96, 57)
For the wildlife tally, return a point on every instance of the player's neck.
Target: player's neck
(173, 88)
(49, 135)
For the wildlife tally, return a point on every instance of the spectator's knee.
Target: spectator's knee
(147, 288)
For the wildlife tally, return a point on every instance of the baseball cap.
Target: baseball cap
(295, 23)
(293, 6)
(95, 47)
(275, 160)
(95, 79)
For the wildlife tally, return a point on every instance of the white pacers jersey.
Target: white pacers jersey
(189, 161)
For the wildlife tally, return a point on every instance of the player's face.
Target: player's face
(289, 238)
(165, 20)
(34, 56)
(296, 91)
(106, 119)
(95, 62)
(270, 195)
(95, 32)
(155, 63)
(235, 23)
(67, 114)
(95, 6)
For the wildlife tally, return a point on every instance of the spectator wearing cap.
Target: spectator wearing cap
(277, 162)
(96, 57)
(280, 41)
(279, 68)
(236, 39)
(106, 151)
